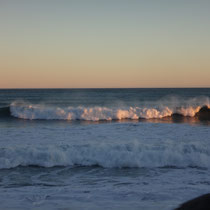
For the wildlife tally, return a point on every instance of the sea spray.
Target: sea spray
(130, 155)
(37, 111)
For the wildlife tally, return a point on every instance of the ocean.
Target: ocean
(103, 148)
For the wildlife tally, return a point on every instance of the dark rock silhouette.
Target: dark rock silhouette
(204, 113)
(199, 203)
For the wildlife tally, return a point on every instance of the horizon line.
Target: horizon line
(106, 88)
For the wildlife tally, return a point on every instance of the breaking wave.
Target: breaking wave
(172, 154)
(36, 111)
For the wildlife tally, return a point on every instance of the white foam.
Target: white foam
(36, 111)
(108, 155)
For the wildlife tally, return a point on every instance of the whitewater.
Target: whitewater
(103, 148)
(36, 111)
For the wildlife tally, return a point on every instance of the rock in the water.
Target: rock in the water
(199, 203)
(204, 113)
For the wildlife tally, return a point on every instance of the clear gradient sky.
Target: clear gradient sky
(104, 43)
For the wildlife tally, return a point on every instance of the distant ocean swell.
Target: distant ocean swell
(169, 154)
(25, 110)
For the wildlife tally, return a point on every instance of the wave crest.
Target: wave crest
(109, 155)
(36, 111)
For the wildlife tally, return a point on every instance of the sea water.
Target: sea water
(102, 148)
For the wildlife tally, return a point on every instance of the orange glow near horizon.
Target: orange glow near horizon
(108, 45)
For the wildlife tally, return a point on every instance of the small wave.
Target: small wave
(109, 155)
(37, 111)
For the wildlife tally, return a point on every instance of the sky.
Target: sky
(104, 43)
